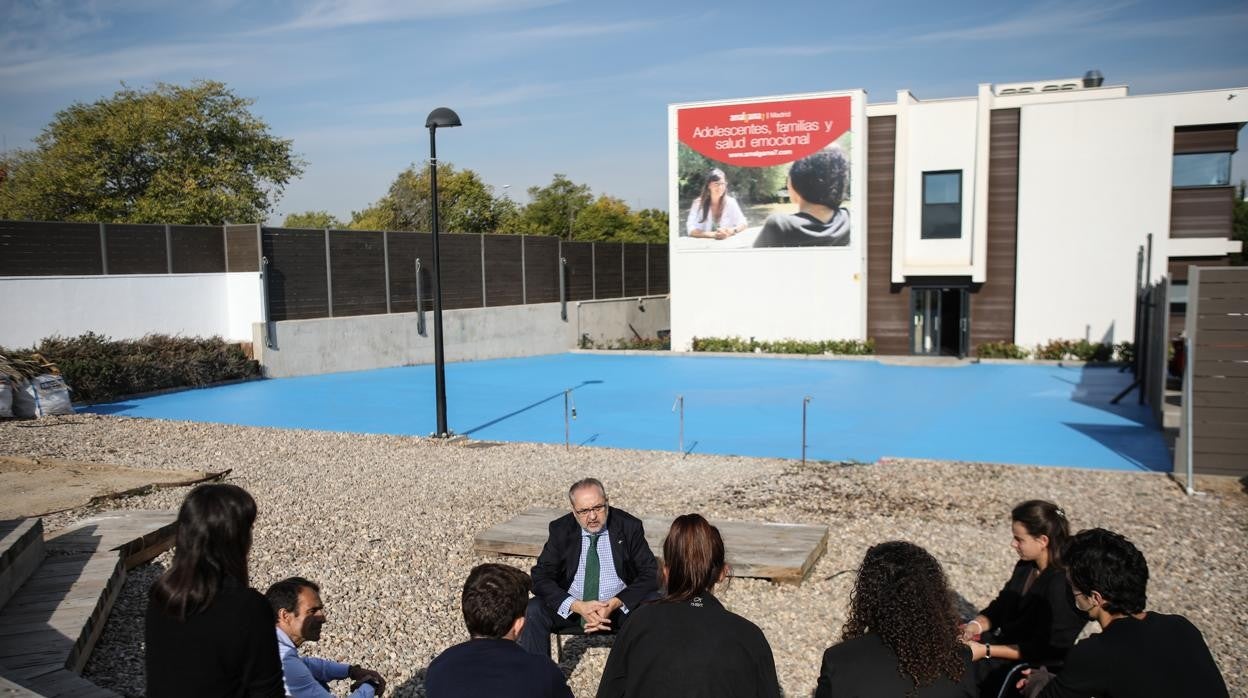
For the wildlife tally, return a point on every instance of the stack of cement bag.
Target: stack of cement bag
(35, 396)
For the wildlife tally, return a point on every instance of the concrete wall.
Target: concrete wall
(605, 322)
(329, 345)
(1094, 180)
(128, 306)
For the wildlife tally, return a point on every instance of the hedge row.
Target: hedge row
(1059, 350)
(784, 346)
(99, 368)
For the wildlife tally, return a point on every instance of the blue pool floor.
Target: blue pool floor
(751, 406)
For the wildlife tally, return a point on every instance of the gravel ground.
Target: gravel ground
(386, 525)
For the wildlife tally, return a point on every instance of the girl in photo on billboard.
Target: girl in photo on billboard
(715, 214)
(817, 184)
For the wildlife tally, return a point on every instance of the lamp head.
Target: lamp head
(442, 117)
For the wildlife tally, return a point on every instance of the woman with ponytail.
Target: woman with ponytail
(687, 644)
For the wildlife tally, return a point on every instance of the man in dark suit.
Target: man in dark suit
(491, 663)
(595, 567)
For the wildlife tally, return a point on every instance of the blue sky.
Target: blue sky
(580, 88)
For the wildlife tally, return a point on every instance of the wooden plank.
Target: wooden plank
(1224, 322)
(1220, 385)
(1220, 368)
(1212, 289)
(781, 552)
(1220, 463)
(1235, 446)
(1221, 353)
(1221, 415)
(1207, 399)
(1223, 305)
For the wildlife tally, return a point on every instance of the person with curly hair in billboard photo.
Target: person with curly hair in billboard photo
(818, 183)
(715, 213)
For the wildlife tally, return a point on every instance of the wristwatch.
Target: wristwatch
(987, 651)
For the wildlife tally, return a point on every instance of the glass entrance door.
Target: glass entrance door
(940, 321)
(924, 321)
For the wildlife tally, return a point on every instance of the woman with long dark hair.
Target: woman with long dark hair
(1033, 618)
(899, 639)
(208, 633)
(687, 644)
(715, 213)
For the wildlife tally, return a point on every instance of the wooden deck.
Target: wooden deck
(50, 625)
(781, 552)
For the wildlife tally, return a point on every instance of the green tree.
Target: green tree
(171, 154)
(467, 204)
(607, 218)
(311, 219)
(750, 185)
(650, 225)
(553, 209)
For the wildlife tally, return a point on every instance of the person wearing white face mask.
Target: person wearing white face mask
(1138, 653)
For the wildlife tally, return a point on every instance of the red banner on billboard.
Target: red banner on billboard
(762, 134)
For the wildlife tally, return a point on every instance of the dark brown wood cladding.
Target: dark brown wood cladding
(635, 269)
(504, 270)
(197, 249)
(579, 270)
(358, 272)
(296, 284)
(660, 272)
(888, 310)
(1209, 138)
(136, 249)
(992, 304)
(608, 270)
(460, 255)
(1219, 426)
(241, 251)
(541, 268)
(1177, 266)
(405, 249)
(49, 249)
(1204, 212)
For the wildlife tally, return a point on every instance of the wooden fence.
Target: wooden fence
(339, 273)
(1214, 427)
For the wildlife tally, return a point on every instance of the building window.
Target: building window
(1202, 170)
(942, 205)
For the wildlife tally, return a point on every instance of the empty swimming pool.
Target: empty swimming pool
(752, 406)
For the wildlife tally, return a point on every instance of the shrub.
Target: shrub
(1124, 352)
(784, 346)
(1076, 349)
(1001, 350)
(98, 368)
(635, 343)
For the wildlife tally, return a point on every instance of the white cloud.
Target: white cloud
(460, 99)
(328, 14)
(578, 30)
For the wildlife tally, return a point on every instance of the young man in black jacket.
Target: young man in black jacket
(1138, 653)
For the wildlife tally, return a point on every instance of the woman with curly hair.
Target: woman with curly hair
(1034, 618)
(898, 640)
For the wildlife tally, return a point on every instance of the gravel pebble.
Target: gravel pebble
(385, 524)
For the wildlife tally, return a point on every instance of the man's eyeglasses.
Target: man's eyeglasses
(591, 510)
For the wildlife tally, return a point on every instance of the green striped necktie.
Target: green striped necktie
(592, 570)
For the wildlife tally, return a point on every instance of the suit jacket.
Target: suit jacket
(865, 666)
(634, 563)
(494, 667)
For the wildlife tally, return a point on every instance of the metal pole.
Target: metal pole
(264, 301)
(420, 302)
(805, 401)
(563, 288)
(1187, 410)
(680, 404)
(439, 361)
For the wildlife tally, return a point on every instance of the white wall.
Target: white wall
(1094, 180)
(128, 306)
(939, 135)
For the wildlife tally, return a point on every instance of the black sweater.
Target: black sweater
(865, 666)
(697, 649)
(1043, 622)
(229, 649)
(1158, 656)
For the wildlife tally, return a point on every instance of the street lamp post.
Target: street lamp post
(444, 118)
